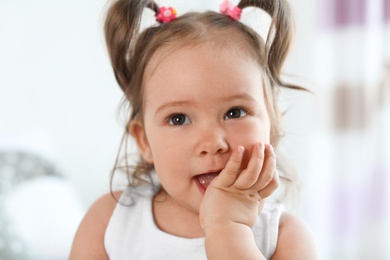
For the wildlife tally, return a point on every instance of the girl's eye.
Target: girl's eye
(179, 119)
(235, 113)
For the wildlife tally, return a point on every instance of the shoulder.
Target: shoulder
(89, 239)
(295, 240)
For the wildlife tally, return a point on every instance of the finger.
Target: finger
(250, 175)
(271, 187)
(229, 175)
(268, 170)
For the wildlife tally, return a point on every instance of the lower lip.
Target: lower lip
(200, 187)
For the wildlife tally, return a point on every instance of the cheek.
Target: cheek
(248, 136)
(168, 157)
(249, 133)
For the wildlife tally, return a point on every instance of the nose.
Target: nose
(211, 140)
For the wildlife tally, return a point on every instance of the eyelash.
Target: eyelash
(170, 118)
(242, 111)
(171, 122)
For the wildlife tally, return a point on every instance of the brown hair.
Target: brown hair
(130, 51)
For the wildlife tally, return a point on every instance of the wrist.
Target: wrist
(225, 228)
(231, 240)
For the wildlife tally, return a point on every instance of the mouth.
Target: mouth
(204, 180)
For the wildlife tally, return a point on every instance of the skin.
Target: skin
(206, 140)
(204, 111)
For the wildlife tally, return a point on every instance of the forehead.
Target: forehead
(202, 71)
(227, 52)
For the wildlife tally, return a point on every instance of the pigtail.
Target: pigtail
(121, 28)
(279, 37)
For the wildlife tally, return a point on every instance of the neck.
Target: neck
(175, 219)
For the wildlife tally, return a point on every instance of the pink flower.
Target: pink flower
(166, 14)
(227, 8)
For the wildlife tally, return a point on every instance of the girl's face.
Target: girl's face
(200, 103)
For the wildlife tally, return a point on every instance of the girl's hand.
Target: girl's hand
(238, 197)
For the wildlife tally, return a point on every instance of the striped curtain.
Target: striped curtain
(349, 150)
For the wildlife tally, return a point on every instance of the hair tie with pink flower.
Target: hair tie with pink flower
(227, 8)
(166, 14)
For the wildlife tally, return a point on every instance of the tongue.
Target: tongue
(205, 179)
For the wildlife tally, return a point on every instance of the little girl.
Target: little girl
(203, 91)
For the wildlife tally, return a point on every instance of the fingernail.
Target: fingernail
(260, 146)
(269, 147)
(240, 149)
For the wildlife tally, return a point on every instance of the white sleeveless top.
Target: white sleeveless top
(132, 233)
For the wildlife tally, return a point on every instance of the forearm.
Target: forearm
(231, 241)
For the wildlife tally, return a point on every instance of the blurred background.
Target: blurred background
(60, 130)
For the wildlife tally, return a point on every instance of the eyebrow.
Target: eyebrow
(173, 104)
(182, 103)
(244, 96)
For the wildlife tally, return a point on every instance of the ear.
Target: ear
(137, 130)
